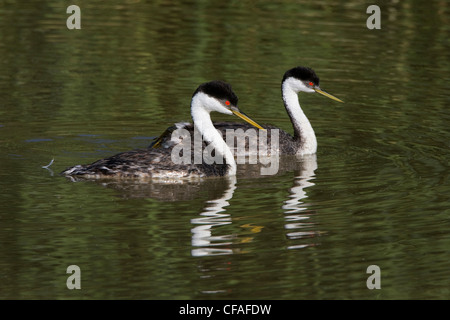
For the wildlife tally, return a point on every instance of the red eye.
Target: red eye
(311, 84)
(227, 103)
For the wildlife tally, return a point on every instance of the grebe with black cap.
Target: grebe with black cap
(157, 163)
(303, 142)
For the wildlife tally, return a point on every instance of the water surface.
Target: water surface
(375, 194)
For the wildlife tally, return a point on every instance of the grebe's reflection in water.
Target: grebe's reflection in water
(297, 215)
(298, 225)
(207, 239)
(204, 243)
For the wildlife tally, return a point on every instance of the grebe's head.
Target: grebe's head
(219, 96)
(304, 79)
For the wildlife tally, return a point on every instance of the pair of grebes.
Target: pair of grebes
(214, 96)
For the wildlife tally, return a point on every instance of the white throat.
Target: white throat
(302, 126)
(202, 120)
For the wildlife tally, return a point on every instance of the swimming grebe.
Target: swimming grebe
(295, 80)
(157, 163)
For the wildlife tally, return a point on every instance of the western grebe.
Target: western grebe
(157, 163)
(295, 80)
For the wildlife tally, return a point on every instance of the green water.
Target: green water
(376, 194)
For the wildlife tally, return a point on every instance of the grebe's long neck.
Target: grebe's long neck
(203, 123)
(303, 131)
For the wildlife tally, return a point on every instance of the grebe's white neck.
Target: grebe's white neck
(201, 106)
(303, 131)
